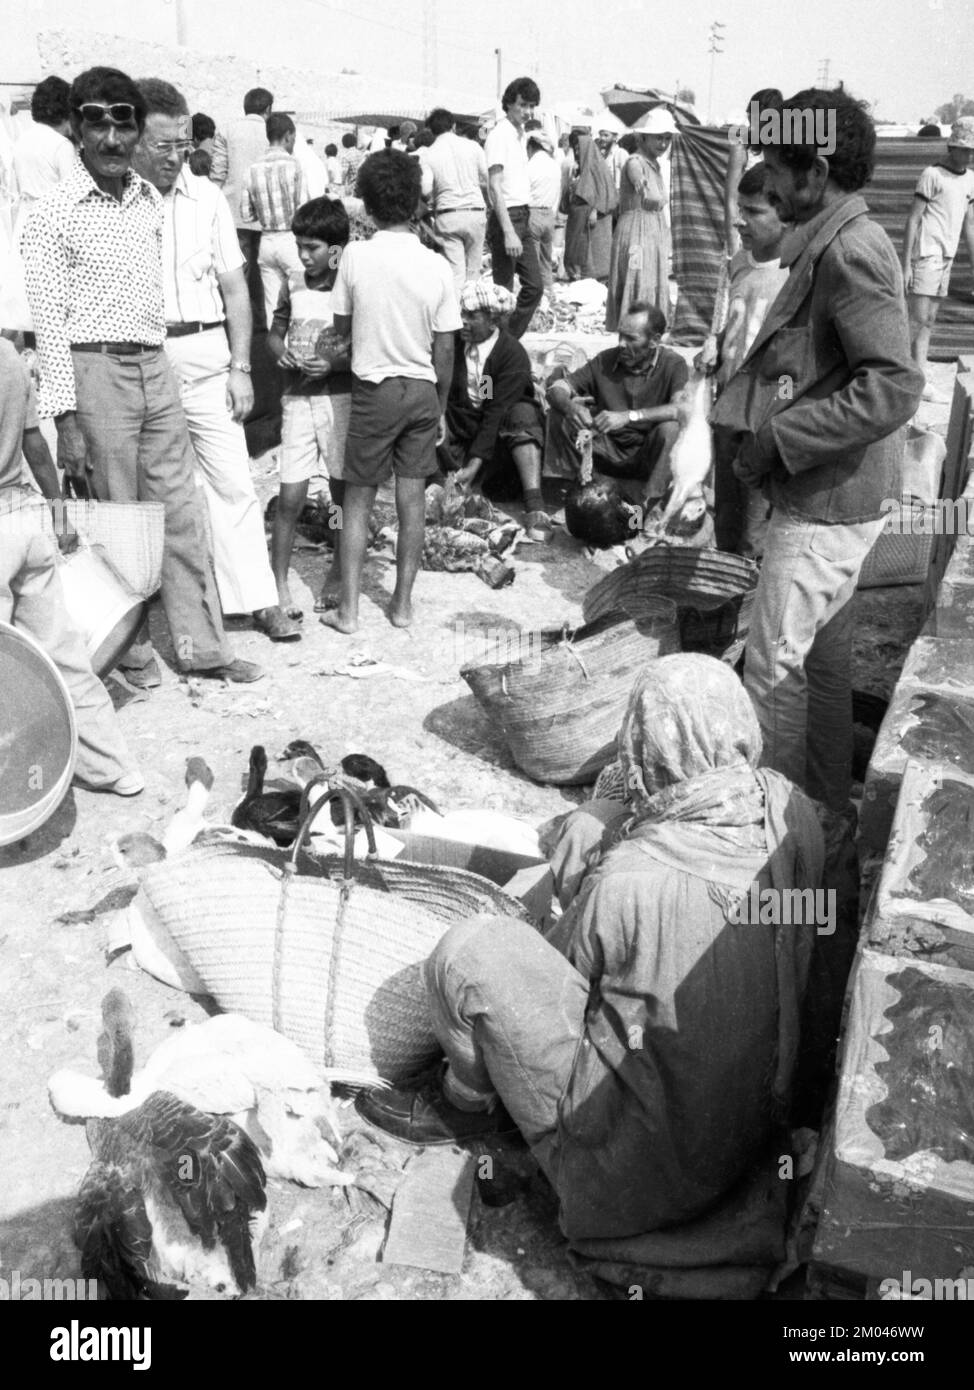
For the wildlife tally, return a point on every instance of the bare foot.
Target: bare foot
(339, 620)
(401, 612)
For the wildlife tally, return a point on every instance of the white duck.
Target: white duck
(173, 1196)
(226, 1065)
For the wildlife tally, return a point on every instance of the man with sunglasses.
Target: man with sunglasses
(93, 258)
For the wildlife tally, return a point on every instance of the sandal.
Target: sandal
(324, 603)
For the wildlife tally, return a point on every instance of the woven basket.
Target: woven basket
(332, 956)
(560, 710)
(131, 534)
(713, 592)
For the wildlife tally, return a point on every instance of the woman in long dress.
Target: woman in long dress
(592, 200)
(641, 245)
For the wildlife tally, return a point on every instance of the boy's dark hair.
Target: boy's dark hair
(598, 515)
(278, 126)
(439, 120)
(322, 219)
(392, 132)
(524, 87)
(926, 132)
(257, 101)
(655, 316)
(752, 181)
(107, 85)
(389, 183)
(767, 98)
(51, 102)
(349, 140)
(851, 163)
(204, 127)
(162, 98)
(331, 151)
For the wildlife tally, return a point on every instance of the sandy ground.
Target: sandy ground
(427, 731)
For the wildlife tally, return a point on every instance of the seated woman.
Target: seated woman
(646, 1049)
(494, 429)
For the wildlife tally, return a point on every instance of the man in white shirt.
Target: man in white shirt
(43, 154)
(512, 246)
(234, 150)
(544, 173)
(207, 302)
(455, 186)
(612, 154)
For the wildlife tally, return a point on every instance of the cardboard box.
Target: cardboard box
(887, 1209)
(528, 880)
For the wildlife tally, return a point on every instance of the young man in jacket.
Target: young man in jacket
(820, 405)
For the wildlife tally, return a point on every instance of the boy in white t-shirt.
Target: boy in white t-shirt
(756, 276)
(943, 207)
(397, 300)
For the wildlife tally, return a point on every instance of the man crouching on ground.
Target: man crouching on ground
(397, 301)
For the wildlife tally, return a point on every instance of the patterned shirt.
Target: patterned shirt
(94, 274)
(352, 161)
(199, 243)
(274, 189)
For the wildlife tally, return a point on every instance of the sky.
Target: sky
(904, 56)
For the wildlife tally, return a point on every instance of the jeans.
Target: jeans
(542, 224)
(462, 233)
(509, 1012)
(139, 451)
(798, 660)
(527, 266)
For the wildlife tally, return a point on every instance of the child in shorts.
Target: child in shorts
(317, 399)
(943, 207)
(398, 301)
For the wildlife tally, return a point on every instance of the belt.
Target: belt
(470, 207)
(117, 349)
(180, 330)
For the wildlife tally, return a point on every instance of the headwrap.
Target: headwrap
(595, 184)
(484, 294)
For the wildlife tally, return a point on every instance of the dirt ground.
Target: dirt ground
(427, 731)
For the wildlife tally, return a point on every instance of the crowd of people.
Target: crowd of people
(644, 1025)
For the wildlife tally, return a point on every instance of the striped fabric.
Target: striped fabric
(699, 161)
(273, 191)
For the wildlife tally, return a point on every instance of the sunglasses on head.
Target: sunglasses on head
(96, 112)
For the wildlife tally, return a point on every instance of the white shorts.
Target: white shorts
(313, 434)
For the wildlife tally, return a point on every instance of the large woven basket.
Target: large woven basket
(560, 710)
(132, 535)
(332, 956)
(713, 592)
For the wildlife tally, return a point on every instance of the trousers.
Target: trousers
(139, 451)
(31, 599)
(200, 364)
(462, 233)
(278, 258)
(798, 656)
(527, 265)
(542, 224)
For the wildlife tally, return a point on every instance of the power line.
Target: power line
(399, 29)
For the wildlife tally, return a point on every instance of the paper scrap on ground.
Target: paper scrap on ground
(428, 1228)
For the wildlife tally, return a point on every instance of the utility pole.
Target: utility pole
(429, 51)
(500, 82)
(716, 40)
(823, 73)
(180, 17)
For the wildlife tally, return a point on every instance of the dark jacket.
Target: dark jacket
(829, 384)
(506, 380)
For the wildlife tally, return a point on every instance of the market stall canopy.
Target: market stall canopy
(629, 103)
(384, 116)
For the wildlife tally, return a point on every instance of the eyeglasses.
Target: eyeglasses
(170, 146)
(96, 113)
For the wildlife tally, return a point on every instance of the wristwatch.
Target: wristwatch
(240, 367)
(635, 416)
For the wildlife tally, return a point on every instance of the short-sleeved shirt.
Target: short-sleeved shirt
(544, 173)
(615, 388)
(505, 145)
(454, 173)
(199, 243)
(42, 157)
(18, 412)
(399, 294)
(947, 197)
(753, 288)
(304, 312)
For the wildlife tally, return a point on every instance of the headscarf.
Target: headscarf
(689, 748)
(484, 294)
(595, 184)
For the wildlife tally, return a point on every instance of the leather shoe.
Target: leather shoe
(427, 1117)
(275, 624)
(238, 671)
(143, 677)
